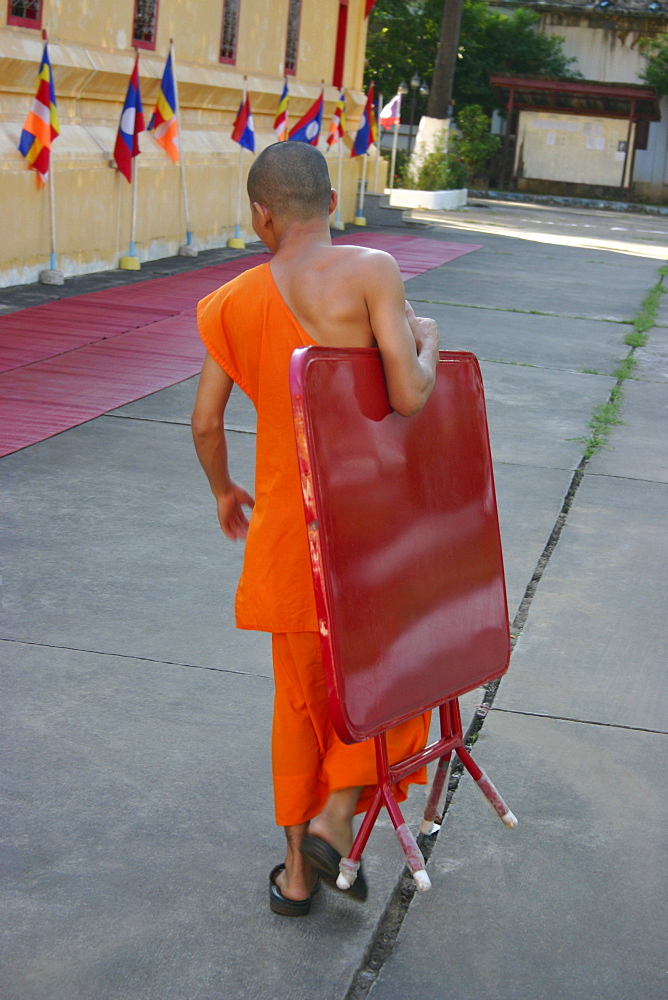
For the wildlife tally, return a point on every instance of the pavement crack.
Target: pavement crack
(386, 934)
(233, 428)
(582, 722)
(135, 656)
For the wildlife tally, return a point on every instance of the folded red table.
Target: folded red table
(406, 558)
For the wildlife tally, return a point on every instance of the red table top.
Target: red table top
(404, 536)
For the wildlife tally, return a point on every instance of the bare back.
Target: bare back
(331, 291)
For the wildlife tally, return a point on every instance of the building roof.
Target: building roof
(579, 97)
(653, 10)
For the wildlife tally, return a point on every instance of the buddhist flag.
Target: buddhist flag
(338, 127)
(369, 7)
(164, 124)
(41, 126)
(391, 113)
(281, 122)
(129, 127)
(368, 131)
(244, 130)
(308, 127)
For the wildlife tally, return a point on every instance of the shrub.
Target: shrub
(475, 144)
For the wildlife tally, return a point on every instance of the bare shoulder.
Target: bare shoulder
(367, 257)
(368, 267)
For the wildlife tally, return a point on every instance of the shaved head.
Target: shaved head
(292, 180)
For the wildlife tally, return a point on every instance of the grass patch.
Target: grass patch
(606, 415)
(601, 422)
(646, 317)
(626, 368)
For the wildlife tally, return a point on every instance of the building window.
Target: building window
(25, 13)
(146, 23)
(292, 42)
(228, 39)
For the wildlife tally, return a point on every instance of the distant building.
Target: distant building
(314, 43)
(606, 134)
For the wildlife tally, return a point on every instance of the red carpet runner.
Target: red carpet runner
(68, 361)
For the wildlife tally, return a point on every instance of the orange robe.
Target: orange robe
(249, 330)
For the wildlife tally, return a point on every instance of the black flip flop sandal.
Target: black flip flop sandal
(278, 903)
(325, 859)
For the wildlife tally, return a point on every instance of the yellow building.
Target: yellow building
(217, 44)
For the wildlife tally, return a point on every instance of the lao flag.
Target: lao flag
(308, 128)
(163, 123)
(244, 130)
(391, 113)
(366, 133)
(131, 124)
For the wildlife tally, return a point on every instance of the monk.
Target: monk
(311, 292)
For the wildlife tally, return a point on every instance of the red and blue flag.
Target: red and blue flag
(308, 127)
(130, 125)
(244, 130)
(41, 126)
(164, 124)
(367, 131)
(391, 113)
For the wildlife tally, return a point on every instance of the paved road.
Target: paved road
(627, 232)
(138, 830)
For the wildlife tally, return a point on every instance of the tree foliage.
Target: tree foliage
(404, 35)
(655, 72)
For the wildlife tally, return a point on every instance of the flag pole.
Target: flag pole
(394, 154)
(186, 249)
(52, 212)
(131, 262)
(51, 275)
(359, 219)
(338, 224)
(377, 163)
(236, 241)
(287, 112)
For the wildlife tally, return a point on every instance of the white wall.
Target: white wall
(605, 53)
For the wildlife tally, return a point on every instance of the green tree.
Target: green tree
(402, 40)
(655, 72)
(491, 42)
(404, 36)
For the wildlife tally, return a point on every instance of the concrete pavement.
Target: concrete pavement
(139, 830)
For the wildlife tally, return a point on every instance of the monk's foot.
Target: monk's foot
(335, 823)
(326, 858)
(297, 882)
(335, 831)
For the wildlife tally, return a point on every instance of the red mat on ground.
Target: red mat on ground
(68, 361)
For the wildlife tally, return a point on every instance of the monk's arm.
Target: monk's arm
(408, 343)
(208, 428)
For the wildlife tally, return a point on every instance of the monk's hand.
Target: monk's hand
(424, 330)
(231, 514)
